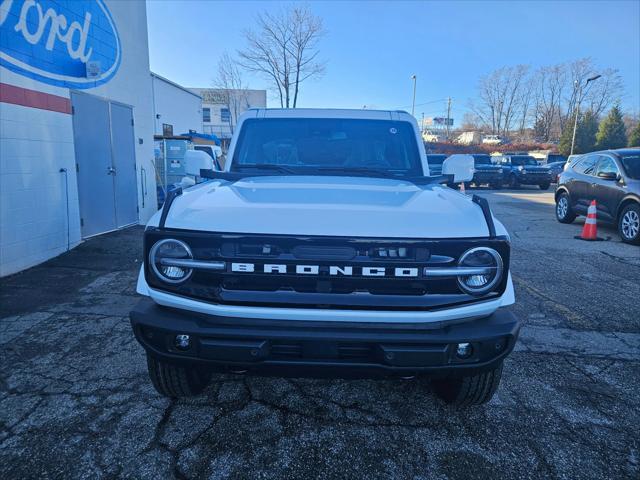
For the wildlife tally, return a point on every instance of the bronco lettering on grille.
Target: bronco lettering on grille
(332, 270)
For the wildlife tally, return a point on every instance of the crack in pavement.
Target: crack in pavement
(76, 399)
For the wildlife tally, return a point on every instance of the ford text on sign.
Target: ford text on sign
(52, 41)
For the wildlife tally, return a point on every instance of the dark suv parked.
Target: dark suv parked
(435, 160)
(486, 171)
(612, 179)
(523, 170)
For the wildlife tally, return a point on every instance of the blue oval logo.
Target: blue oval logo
(71, 44)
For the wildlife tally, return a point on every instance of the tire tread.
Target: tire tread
(175, 381)
(472, 390)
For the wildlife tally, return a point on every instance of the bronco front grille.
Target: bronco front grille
(323, 272)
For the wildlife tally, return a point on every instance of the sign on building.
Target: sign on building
(214, 96)
(60, 43)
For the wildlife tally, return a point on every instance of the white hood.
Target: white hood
(323, 205)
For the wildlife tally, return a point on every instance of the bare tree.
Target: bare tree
(526, 100)
(471, 122)
(501, 98)
(548, 86)
(556, 91)
(572, 89)
(232, 87)
(284, 50)
(605, 92)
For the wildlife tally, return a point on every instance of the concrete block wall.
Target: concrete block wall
(36, 141)
(35, 223)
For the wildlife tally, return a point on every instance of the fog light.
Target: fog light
(464, 350)
(182, 342)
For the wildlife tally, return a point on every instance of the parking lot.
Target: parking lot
(76, 402)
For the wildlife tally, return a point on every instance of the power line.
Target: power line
(425, 103)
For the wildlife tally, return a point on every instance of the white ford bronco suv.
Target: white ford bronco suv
(324, 248)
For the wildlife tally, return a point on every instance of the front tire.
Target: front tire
(471, 390)
(564, 213)
(629, 224)
(176, 381)
(513, 181)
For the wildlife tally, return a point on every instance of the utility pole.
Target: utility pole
(422, 124)
(577, 109)
(448, 115)
(413, 104)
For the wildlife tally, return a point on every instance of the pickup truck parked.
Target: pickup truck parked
(523, 170)
(432, 137)
(326, 248)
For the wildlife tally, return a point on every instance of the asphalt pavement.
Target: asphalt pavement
(76, 402)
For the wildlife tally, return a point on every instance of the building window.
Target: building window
(206, 115)
(225, 115)
(167, 130)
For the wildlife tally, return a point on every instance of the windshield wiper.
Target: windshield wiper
(362, 171)
(266, 166)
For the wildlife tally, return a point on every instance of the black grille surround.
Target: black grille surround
(323, 290)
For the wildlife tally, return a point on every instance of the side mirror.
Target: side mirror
(460, 166)
(608, 175)
(196, 160)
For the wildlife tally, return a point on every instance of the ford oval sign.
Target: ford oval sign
(70, 44)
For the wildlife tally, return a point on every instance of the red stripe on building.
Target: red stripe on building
(34, 99)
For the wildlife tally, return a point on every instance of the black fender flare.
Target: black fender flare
(629, 198)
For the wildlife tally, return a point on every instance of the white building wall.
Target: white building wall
(34, 146)
(39, 211)
(176, 106)
(245, 100)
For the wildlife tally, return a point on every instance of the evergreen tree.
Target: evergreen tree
(564, 146)
(587, 130)
(634, 136)
(612, 133)
(585, 134)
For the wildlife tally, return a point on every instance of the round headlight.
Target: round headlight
(163, 257)
(489, 262)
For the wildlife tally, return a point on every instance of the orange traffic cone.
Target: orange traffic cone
(590, 229)
(462, 188)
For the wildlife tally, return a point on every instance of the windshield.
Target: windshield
(631, 165)
(313, 145)
(436, 159)
(552, 158)
(523, 160)
(482, 159)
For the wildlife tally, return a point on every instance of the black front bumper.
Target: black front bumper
(534, 179)
(488, 177)
(311, 348)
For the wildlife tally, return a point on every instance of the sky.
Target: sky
(372, 48)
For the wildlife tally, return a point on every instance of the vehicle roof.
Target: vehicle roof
(619, 152)
(625, 151)
(332, 113)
